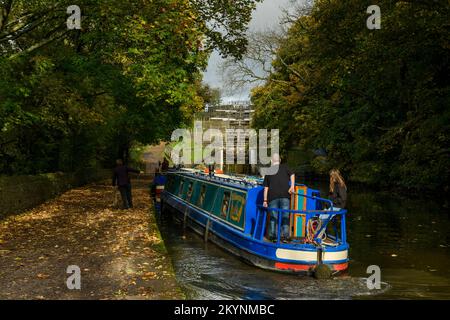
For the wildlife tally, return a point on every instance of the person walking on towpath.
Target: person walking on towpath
(122, 180)
(279, 184)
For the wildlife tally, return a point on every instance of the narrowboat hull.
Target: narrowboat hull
(286, 258)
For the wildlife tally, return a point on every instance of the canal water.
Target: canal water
(407, 238)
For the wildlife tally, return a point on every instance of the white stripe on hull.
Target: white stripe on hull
(310, 256)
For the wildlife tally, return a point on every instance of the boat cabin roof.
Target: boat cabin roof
(244, 183)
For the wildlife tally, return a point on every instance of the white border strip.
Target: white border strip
(310, 255)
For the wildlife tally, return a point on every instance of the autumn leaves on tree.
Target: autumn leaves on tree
(132, 74)
(377, 100)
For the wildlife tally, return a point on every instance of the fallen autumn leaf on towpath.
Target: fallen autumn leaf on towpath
(116, 250)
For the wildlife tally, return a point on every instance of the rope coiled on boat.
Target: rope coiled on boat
(313, 226)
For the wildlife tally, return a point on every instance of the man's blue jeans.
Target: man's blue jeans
(282, 203)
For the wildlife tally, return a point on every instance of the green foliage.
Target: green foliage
(211, 96)
(376, 100)
(228, 20)
(132, 74)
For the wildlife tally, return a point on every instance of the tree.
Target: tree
(376, 100)
(211, 96)
(131, 74)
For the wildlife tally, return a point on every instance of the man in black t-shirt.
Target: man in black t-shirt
(279, 184)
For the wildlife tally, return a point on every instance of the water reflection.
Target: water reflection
(407, 238)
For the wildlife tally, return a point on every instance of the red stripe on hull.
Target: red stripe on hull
(307, 267)
(294, 267)
(340, 267)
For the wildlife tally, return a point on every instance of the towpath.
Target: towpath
(120, 253)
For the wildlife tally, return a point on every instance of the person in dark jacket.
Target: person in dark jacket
(164, 165)
(122, 180)
(338, 189)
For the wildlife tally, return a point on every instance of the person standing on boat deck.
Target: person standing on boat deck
(338, 189)
(211, 169)
(279, 184)
(165, 165)
(122, 180)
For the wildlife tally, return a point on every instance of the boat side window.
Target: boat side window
(202, 197)
(236, 214)
(180, 191)
(189, 193)
(225, 204)
(169, 184)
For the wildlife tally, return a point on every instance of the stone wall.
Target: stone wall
(19, 193)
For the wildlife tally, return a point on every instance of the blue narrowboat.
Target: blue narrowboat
(228, 211)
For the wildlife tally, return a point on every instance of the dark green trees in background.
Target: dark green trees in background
(132, 74)
(378, 101)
